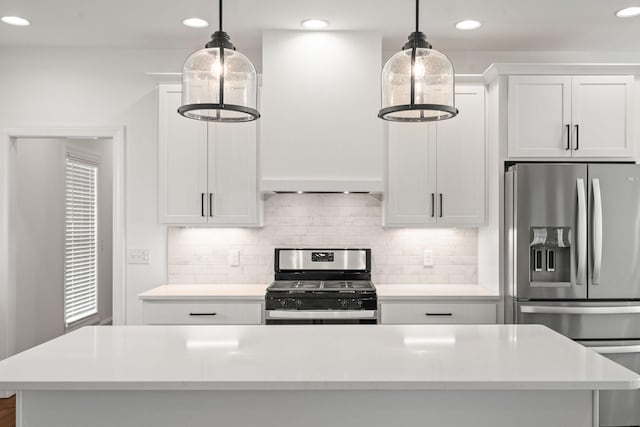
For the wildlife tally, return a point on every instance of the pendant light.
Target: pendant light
(418, 82)
(219, 84)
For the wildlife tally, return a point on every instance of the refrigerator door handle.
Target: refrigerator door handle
(597, 231)
(542, 309)
(616, 349)
(582, 233)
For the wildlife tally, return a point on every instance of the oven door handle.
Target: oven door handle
(320, 314)
(540, 309)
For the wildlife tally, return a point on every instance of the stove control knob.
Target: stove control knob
(359, 303)
(298, 303)
(283, 303)
(344, 303)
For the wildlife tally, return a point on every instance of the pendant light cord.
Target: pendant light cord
(220, 12)
(417, 13)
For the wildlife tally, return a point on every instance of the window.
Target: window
(81, 239)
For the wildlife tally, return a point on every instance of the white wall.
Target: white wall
(99, 87)
(40, 232)
(40, 207)
(199, 255)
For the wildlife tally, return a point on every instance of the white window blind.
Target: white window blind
(81, 239)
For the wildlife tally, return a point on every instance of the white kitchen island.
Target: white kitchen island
(351, 375)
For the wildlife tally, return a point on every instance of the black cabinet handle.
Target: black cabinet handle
(568, 137)
(202, 204)
(210, 204)
(438, 314)
(433, 205)
(577, 137)
(202, 314)
(440, 205)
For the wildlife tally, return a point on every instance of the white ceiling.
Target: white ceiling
(528, 25)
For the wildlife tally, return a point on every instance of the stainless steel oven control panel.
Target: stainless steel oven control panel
(345, 260)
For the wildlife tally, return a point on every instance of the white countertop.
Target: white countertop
(327, 357)
(385, 292)
(398, 292)
(172, 292)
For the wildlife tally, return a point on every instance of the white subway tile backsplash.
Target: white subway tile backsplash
(199, 255)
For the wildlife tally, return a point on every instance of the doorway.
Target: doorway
(10, 226)
(63, 219)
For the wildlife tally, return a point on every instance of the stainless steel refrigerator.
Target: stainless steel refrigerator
(573, 262)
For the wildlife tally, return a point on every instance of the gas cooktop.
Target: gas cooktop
(321, 285)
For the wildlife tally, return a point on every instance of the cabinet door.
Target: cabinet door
(410, 198)
(431, 312)
(182, 145)
(461, 152)
(233, 196)
(602, 116)
(201, 312)
(538, 116)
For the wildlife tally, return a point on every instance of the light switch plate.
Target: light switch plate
(427, 258)
(138, 256)
(233, 258)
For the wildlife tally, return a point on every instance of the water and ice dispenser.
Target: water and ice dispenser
(550, 256)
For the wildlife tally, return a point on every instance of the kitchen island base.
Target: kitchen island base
(311, 408)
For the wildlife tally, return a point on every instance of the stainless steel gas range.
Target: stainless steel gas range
(321, 286)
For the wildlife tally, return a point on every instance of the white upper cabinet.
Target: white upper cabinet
(565, 116)
(539, 116)
(207, 171)
(410, 198)
(436, 171)
(320, 100)
(183, 161)
(602, 116)
(461, 161)
(232, 173)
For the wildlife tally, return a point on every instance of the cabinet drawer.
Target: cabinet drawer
(201, 313)
(437, 313)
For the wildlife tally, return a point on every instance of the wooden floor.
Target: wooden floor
(8, 412)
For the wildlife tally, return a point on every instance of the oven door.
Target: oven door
(320, 317)
(619, 408)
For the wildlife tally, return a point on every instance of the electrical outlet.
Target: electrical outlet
(233, 258)
(138, 256)
(427, 258)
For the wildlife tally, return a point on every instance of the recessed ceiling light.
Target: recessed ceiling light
(468, 24)
(628, 12)
(15, 20)
(314, 23)
(195, 22)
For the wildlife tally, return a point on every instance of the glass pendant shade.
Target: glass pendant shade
(219, 84)
(418, 85)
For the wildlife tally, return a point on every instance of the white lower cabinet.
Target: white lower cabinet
(432, 312)
(208, 312)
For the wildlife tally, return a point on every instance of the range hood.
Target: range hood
(320, 98)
